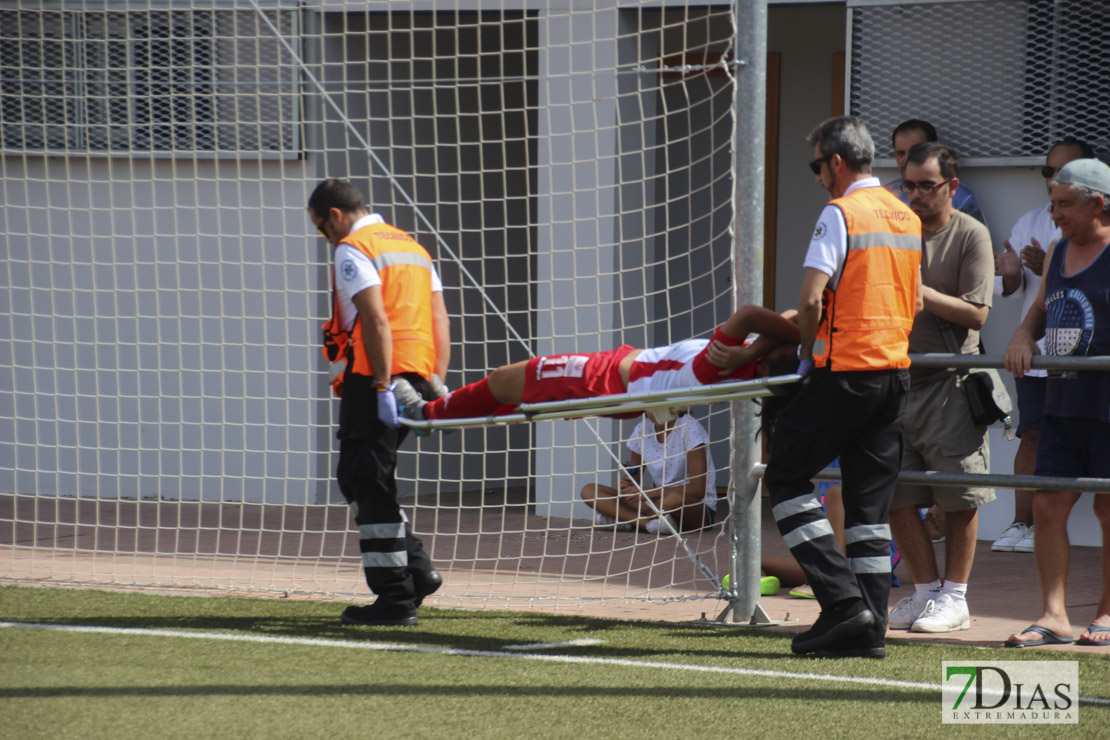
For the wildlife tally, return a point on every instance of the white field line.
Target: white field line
(583, 642)
(581, 659)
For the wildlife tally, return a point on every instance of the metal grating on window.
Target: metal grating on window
(1000, 79)
(159, 81)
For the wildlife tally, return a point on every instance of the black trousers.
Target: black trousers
(391, 553)
(856, 416)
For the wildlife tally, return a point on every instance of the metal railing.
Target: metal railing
(750, 531)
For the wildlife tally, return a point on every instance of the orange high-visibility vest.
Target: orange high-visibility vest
(405, 269)
(869, 305)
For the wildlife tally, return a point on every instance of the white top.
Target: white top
(1034, 224)
(354, 273)
(667, 462)
(829, 246)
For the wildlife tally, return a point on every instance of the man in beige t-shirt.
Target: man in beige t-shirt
(939, 434)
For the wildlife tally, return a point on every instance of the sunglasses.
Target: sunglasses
(925, 186)
(815, 165)
(1047, 172)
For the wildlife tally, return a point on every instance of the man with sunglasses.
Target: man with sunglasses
(940, 434)
(388, 322)
(1018, 274)
(859, 295)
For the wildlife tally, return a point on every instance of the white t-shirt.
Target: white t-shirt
(1034, 224)
(667, 462)
(354, 273)
(829, 246)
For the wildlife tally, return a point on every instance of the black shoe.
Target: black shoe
(425, 584)
(371, 616)
(864, 645)
(878, 652)
(834, 626)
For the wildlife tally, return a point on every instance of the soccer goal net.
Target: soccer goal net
(165, 414)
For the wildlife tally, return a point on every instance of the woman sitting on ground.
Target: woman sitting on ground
(676, 455)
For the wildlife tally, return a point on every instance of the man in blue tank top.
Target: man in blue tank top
(1072, 313)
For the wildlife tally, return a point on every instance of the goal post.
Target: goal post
(165, 411)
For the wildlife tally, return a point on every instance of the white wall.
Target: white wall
(164, 330)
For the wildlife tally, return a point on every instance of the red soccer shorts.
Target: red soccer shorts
(563, 377)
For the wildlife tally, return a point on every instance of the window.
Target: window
(181, 81)
(1000, 79)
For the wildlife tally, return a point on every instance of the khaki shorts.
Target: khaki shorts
(939, 435)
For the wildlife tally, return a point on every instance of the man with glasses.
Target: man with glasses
(939, 434)
(906, 136)
(859, 296)
(388, 322)
(1018, 272)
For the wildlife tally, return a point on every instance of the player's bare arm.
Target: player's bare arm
(773, 330)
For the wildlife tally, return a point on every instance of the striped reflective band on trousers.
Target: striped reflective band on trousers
(816, 527)
(394, 531)
(865, 533)
(820, 527)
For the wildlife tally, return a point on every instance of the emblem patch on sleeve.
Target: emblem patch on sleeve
(348, 269)
(820, 231)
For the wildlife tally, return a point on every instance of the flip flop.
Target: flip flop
(1092, 629)
(1048, 637)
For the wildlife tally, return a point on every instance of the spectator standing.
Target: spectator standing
(388, 322)
(858, 298)
(958, 276)
(906, 136)
(1072, 313)
(1018, 272)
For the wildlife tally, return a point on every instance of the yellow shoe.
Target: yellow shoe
(805, 591)
(768, 586)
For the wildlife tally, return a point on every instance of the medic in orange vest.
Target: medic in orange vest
(869, 305)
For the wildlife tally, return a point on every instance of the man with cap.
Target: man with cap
(1018, 271)
(1072, 313)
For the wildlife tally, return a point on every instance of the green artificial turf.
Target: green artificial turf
(56, 683)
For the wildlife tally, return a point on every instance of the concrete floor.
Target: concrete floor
(494, 554)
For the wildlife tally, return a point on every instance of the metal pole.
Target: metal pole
(1039, 362)
(750, 115)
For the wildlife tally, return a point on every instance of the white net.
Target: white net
(165, 418)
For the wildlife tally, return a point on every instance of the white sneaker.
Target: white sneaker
(943, 614)
(906, 611)
(655, 526)
(602, 520)
(1010, 537)
(1026, 544)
